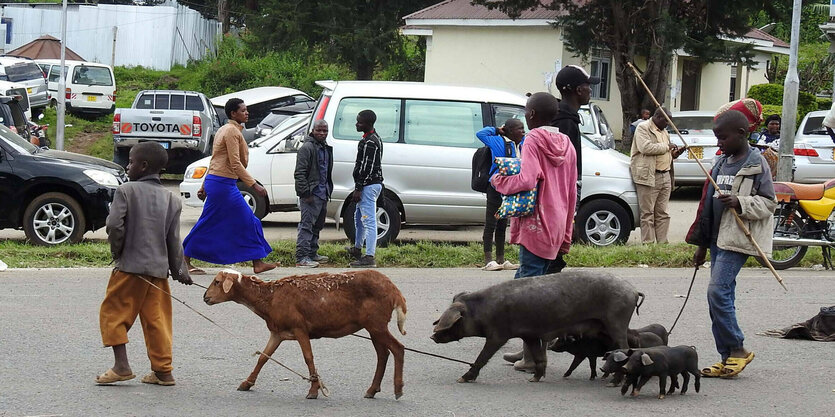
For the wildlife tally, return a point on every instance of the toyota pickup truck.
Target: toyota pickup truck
(183, 122)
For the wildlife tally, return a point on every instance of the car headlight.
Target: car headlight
(101, 177)
(196, 172)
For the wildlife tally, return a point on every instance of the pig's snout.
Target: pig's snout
(433, 338)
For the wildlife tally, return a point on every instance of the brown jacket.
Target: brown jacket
(648, 144)
(230, 154)
(143, 229)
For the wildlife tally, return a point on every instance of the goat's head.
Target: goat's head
(222, 287)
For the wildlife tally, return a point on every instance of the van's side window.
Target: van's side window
(443, 123)
(388, 118)
(503, 112)
(55, 73)
(146, 101)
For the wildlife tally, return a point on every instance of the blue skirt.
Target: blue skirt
(227, 231)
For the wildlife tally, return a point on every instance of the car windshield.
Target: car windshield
(586, 123)
(15, 141)
(23, 71)
(814, 126)
(694, 124)
(85, 75)
(272, 120)
(589, 143)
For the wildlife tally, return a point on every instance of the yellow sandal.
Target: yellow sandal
(714, 370)
(733, 366)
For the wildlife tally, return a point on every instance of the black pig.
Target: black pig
(661, 361)
(531, 308)
(594, 343)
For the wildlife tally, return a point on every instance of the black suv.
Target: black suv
(54, 196)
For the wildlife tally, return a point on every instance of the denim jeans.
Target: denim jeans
(365, 218)
(721, 295)
(312, 222)
(531, 265)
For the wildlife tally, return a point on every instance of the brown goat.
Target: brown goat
(304, 307)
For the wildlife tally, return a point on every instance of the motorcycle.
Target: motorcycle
(805, 216)
(39, 131)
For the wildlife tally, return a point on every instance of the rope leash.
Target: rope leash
(421, 352)
(313, 378)
(696, 271)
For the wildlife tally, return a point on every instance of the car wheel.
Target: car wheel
(52, 219)
(256, 202)
(602, 222)
(388, 221)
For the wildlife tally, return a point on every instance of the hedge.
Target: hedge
(772, 94)
(824, 103)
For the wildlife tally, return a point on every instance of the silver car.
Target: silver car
(697, 129)
(813, 151)
(593, 125)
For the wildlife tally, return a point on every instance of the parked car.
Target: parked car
(277, 116)
(697, 129)
(272, 161)
(183, 122)
(54, 196)
(261, 100)
(594, 125)
(814, 151)
(90, 87)
(25, 71)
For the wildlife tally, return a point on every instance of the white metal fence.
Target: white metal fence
(155, 37)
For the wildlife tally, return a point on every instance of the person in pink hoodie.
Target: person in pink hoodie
(549, 161)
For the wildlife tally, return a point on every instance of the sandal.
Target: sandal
(196, 271)
(492, 266)
(733, 366)
(153, 379)
(110, 376)
(714, 370)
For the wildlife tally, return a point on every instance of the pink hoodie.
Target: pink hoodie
(548, 158)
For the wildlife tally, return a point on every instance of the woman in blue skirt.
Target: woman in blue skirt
(227, 231)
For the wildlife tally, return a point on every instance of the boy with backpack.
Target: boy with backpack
(500, 142)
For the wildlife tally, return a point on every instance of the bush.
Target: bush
(824, 103)
(772, 95)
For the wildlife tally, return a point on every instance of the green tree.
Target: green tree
(359, 33)
(652, 29)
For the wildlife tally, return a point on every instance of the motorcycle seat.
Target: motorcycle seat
(792, 191)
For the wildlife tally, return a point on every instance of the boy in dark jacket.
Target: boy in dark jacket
(574, 84)
(368, 184)
(143, 229)
(314, 184)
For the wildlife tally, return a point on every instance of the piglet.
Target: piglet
(661, 361)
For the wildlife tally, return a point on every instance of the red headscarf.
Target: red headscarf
(752, 109)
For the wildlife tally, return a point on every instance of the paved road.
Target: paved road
(51, 351)
(279, 226)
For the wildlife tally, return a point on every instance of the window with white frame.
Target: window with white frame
(601, 66)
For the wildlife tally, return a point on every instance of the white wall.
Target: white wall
(146, 36)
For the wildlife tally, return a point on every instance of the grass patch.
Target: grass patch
(19, 254)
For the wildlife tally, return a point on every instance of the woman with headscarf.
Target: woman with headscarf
(770, 135)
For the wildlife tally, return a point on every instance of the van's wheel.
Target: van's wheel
(52, 219)
(602, 223)
(388, 221)
(255, 201)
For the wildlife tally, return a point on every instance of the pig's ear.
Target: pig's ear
(646, 360)
(447, 320)
(620, 356)
(454, 299)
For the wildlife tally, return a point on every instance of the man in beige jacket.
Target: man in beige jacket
(651, 168)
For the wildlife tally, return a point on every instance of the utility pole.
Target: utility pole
(113, 49)
(790, 88)
(62, 82)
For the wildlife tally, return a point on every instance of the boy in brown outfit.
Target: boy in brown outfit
(143, 229)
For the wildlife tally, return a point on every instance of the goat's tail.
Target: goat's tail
(400, 309)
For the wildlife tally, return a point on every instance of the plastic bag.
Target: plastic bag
(519, 204)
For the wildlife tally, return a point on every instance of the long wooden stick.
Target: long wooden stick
(710, 178)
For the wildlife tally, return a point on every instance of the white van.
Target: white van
(428, 134)
(91, 87)
(26, 72)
